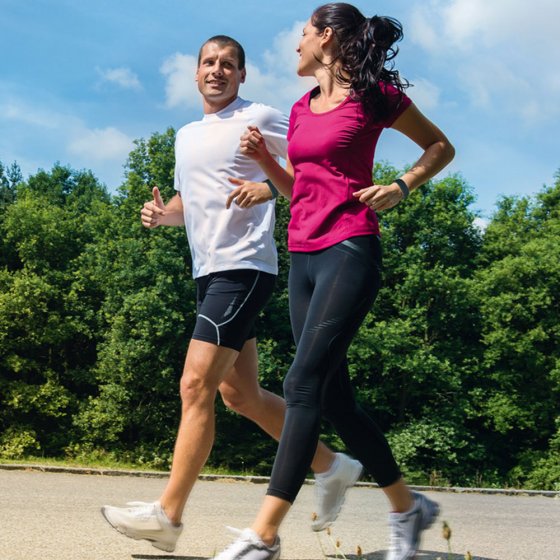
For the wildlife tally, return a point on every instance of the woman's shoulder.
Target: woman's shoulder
(303, 101)
(395, 102)
(390, 90)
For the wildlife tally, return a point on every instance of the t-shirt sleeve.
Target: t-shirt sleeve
(291, 123)
(399, 102)
(274, 128)
(176, 178)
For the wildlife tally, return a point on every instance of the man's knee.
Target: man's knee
(196, 387)
(238, 401)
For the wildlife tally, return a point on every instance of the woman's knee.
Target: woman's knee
(300, 391)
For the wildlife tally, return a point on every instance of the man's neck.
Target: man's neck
(210, 107)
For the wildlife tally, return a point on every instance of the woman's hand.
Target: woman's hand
(253, 144)
(380, 197)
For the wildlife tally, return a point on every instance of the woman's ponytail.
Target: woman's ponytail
(366, 47)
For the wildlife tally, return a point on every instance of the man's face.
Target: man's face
(218, 76)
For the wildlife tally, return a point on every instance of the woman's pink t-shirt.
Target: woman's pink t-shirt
(332, 156)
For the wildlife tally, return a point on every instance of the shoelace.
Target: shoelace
(320, 485)
(238, 533)
(142, 509)
(236, 543)
(395, 538)
(398, 529)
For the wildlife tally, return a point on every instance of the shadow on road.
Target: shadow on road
(422, 555)
(166, 557)
(378, 555)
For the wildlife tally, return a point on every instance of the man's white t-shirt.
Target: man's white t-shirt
(206, 154)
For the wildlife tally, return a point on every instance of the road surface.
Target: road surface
(55, 516)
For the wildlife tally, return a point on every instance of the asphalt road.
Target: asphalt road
(55, 516)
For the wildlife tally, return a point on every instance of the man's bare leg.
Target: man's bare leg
(240, 391)
(206, 365)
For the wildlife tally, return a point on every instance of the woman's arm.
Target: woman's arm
(253, 145)
(438, 152)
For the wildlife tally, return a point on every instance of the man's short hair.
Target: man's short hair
(225, 41)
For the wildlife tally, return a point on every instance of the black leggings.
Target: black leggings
(331, 292)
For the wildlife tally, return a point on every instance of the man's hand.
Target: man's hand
(380, 197)
(153, 211)
(248, 193)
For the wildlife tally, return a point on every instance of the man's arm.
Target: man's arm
(155, 213)
(248, 193)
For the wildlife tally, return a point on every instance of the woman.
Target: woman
(333, 238)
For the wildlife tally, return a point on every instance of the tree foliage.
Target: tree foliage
(458, 361)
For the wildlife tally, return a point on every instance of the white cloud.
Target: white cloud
(467, 24)
(62, 129)
(501, 53)
(283, 57)
(180, 88)
(426, 94)
(123, 77)
(277, 82)
(481, 223)
(509, 91)
(465, 20)
(273, 81)
(276, 90)
(100, 144)
(422, 32)
(15, 110)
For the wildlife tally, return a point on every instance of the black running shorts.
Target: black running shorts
(228, 304)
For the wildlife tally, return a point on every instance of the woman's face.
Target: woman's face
(309, 50)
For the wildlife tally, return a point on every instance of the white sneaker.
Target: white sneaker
(407, 527)
(249, 546)
(330, 489)
(146, 521)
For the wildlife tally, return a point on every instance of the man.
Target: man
(234, 265)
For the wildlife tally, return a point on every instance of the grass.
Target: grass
(105, 463)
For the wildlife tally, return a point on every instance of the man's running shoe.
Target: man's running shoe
(147, 521)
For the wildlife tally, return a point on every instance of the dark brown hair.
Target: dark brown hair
(365, 48)
(225, 41)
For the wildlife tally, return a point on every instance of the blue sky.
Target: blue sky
(80, 80)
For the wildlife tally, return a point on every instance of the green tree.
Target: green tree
(147, 311)
(458, 361)
(46, 348)
(10, 178)
(419, 345)
(520, 295)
